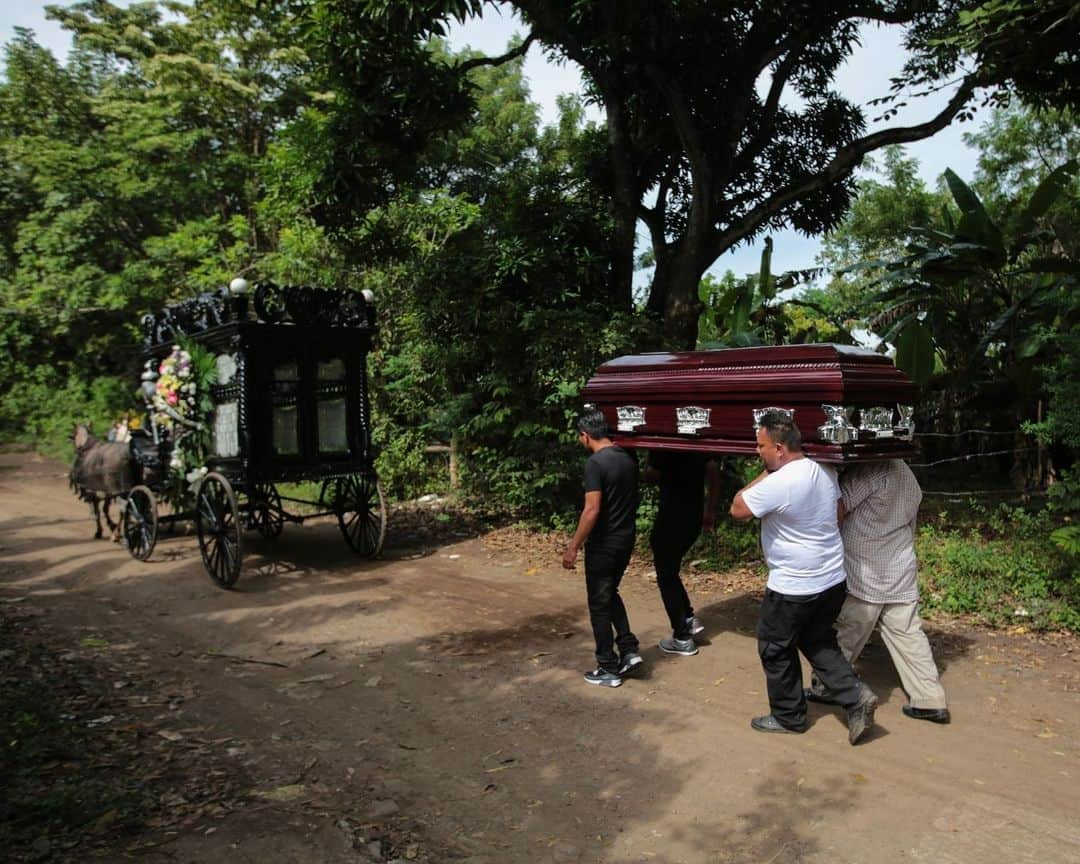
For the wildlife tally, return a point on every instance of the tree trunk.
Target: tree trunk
(455, 456)
(625, 200)
(678, 283)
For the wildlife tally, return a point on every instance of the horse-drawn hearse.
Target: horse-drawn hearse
(851, 404)
(287, 402)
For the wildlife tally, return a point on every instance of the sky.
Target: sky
(864, 77)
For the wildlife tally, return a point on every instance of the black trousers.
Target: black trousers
(604, 568)
(670, 540)
(790, 624)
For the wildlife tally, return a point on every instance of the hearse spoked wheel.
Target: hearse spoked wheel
(140, 522)
(264, 510)
(217, 523)
(361, 513)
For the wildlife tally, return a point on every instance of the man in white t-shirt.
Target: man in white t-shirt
(800, 505)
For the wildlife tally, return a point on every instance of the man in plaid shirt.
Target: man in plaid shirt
(881, 502)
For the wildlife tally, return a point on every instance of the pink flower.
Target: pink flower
(172, 398)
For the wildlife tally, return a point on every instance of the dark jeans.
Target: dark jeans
(603, 573)
(670, 540)
(792, 623)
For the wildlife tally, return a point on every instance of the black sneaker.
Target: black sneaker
(694, 625)
(934, 715)
(631, 660)
(685, 647)
(603, 677)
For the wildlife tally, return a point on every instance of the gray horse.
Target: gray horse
(102, 471)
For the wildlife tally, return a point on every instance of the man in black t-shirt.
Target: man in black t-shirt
(683, 512)
(606, 528)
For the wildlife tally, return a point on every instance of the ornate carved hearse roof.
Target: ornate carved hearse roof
(270, 304)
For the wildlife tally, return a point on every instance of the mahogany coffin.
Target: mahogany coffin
(851, 404)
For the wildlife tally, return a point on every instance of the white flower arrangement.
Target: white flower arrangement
(180, 407)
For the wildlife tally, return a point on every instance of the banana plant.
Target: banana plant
(969, 294)
(748, 312)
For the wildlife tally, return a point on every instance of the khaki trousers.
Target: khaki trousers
(902, 633)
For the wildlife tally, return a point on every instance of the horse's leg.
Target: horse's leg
(114, 527)
(96, 504)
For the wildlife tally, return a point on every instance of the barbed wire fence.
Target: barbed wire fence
(986, 435)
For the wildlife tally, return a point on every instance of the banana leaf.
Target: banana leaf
(915, 352)
(1045, 194)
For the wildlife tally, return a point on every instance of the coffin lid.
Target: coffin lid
(825, 372)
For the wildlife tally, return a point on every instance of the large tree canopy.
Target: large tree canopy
(722, 121)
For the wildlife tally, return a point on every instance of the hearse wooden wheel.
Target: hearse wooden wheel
(264, 510)
(140, 522)
(218, 525)
(361, 512)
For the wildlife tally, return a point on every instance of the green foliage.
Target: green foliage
(405, 470)
(494, 305)
(1004, 572)
(891, 201)
(915, 352)
(990, 300)
(1031, 44)
(342, 143)
(1067, 538)
(1015, 147)
(1064, 496)
(747, 312)
(731, 544)
(43, 409)
(694, 149)
(130, 176)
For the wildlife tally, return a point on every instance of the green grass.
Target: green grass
(1000, 566)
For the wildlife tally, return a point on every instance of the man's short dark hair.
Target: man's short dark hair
(592, 423)
(781, 429)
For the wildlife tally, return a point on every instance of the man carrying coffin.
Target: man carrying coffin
(799, 504)
(881, 505)
(607, 529)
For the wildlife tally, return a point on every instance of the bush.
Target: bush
(43, 411)
(1003, 570)
(405, 470)
(732, 544)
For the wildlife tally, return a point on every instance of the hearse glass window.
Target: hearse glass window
(286, 440)
(226, 394)
(331, 407)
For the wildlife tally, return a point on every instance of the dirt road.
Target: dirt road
(440, 690)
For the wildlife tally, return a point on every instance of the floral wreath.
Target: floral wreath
(180, 406)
